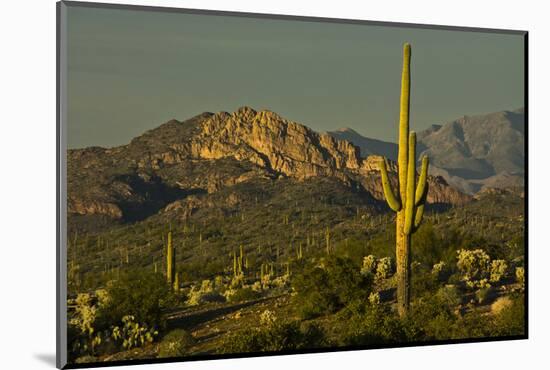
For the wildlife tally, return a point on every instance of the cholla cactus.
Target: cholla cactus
(480, 284)
(369, 265)
(439, 269)
(383, 268)
(218, 282)
(474, 264)
(498, 270)
(133, 334)
(257, 286)
(268, 318)
(374, 298)
(85, 314)
(409, 200)
(520, 275)
(103, 297)
(204, 293)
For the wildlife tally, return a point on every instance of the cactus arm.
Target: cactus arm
(422, 187)
(404, 121)
(393, 201)
(418, 216)
(411, 174)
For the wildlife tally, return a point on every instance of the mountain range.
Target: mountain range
(471, 153)
(180, 166)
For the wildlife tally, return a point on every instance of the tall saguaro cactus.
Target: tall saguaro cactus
(409, 200)
(170, 260)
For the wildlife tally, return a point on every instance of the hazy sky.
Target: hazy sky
(130, 71)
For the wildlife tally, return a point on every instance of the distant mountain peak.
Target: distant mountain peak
(347, 129)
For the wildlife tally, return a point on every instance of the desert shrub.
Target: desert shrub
(315, 294)
(432, 316)
(511, 319)
(140, 294)
(133, 334)
(485, 295)
(430, 246)
(422, 281)
(500, 304)
(498, 270)
(203, 294)
(175, 344)
(243, 294)
(449, 296)
(372, 324)
(279, 336)
(441, 271)
(437, 318)
(326, 288)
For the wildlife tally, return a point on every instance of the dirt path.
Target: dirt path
(189, 319)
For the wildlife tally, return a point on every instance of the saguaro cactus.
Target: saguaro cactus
(170, 260)
(409, 200)
(176, 283)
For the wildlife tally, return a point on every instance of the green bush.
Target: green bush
(243, 294)
(140, 294)
(275, 337)
(511, 319)
(450, 296)
(329, 286)
(485, 295)
(175, 344)
(372, 324)
(423, 281)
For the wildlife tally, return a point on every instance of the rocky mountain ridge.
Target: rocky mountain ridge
(212, 151)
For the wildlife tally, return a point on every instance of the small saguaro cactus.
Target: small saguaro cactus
(327, 239)
(235, 264)
(409, 200)
(176, 283)
(170, 260)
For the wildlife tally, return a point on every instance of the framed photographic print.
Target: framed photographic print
(235, 184)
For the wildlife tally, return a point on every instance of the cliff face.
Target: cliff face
(213, 151)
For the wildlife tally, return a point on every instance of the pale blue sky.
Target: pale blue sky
(130, 71)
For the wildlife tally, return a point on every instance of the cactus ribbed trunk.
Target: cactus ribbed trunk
(403, 265)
